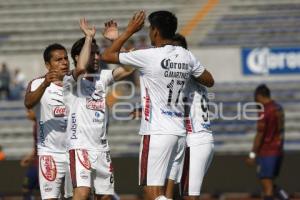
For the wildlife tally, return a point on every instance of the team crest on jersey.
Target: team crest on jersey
(59, 111)
(48, 167)
(94, 104)
(83, 158)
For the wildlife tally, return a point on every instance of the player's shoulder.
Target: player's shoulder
(37, 80)
(105, 73)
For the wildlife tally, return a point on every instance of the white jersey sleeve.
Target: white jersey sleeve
(197, 67)
(140, 59)
(34, 84)
(107, 77)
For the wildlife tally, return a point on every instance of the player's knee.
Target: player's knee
(153, 192)
(267, 187)
(81, 193)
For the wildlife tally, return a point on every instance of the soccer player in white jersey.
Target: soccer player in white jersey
(200, 142)
(164, 71)
(85, 97)
(45, 96)
(199, 150)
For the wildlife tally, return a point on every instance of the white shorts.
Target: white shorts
(157, 156)
(92, 169)
(53, 171)
(176, 169)
(196, 162)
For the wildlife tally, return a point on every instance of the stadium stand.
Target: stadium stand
(251, 23)
(30, 25)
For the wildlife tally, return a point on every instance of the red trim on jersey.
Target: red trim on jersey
(188, 125)
(73, 167)
(144, 160)
(147, 106)
(185, 174)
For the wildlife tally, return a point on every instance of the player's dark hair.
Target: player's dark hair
(49, 49)
(180, 40)
(263, 90)
(76, 48)
(165, 22)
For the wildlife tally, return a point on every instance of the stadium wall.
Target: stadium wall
(226, 64)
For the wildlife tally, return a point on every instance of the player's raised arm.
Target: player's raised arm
(84, 55)
(206, 79)
(111, 54)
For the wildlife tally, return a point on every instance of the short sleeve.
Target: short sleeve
(137, 58)
(197, 67)
(69, 84)
(106, 77)
(34, 84)
(261, 122)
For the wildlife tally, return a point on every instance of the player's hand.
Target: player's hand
(137, 22)
(51, 76)
(86, 29)
(111, 31)
(250, 161)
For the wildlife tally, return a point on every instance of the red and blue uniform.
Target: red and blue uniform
(271, 125)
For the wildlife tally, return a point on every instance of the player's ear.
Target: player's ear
(76, 58)
(47, 64)
(155, 32)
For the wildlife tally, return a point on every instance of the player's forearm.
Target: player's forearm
(257, 142)
(111, 54)
(122, 72)
(84, 57)
(33, 98)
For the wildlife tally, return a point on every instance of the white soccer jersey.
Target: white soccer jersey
(163, 74)
(87, 111)
(51, 119)
(198, 122)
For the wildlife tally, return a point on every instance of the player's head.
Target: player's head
(262, 93)
(179, 40)
(163, 26)
(56, 58)
(94, 62)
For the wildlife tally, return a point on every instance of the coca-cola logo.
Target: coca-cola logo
(83, 157)
(48, 167)
(59, 111)
(95, 104)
